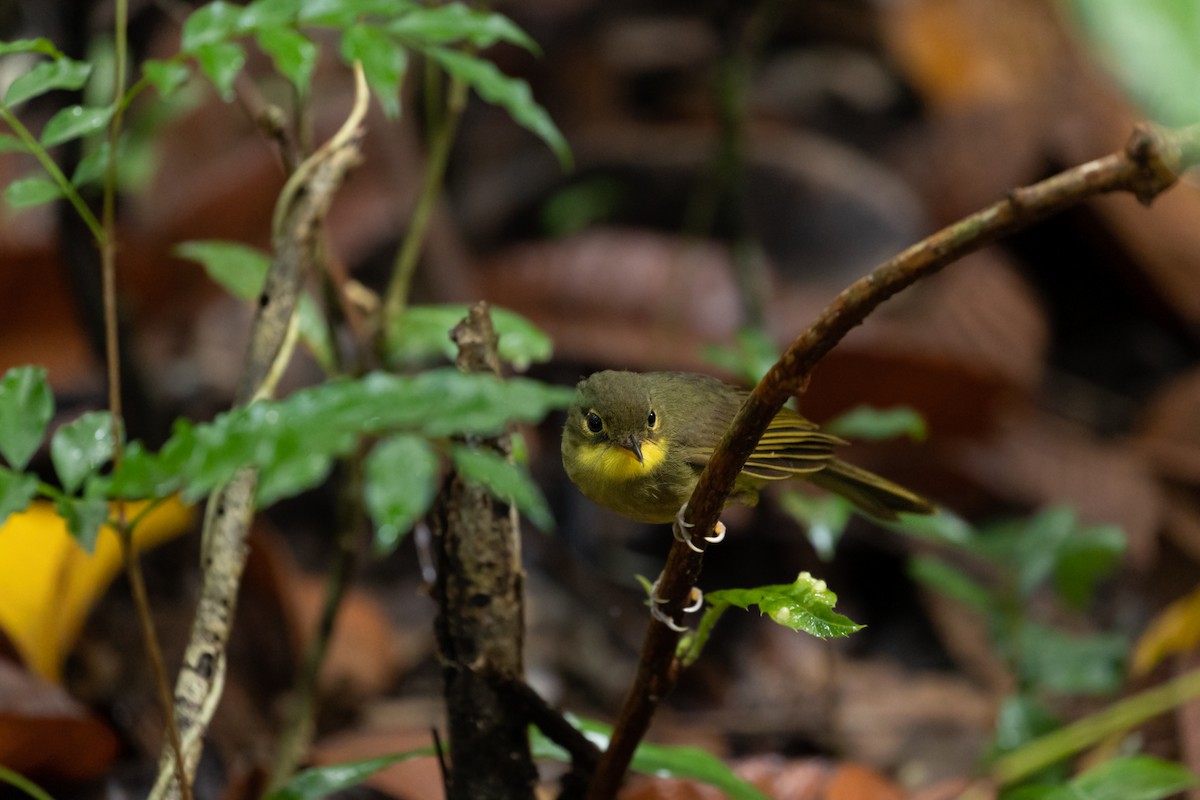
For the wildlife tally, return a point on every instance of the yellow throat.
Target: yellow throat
(611, 462)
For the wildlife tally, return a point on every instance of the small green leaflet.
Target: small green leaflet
(401, 481)
(26, 405)
(877, 424)
(61, 73)
(28, 192)
(505, 480)
(17, 490)
(422, 334)
(81, 447)
(1130, 778)
(241, 269)
(512, 94)
(805, 605)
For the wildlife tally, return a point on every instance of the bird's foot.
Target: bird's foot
(695, 596)
(678, 530)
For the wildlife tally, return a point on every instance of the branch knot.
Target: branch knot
(1154, 157)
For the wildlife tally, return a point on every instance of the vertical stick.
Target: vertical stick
(480, 626)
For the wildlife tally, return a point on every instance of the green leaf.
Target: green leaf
(343, 13)
(943, 526)
(576, 207)
(690, 763)
(506, 481)
(1132, 778)
(824, 518)
(17, 490)
(875, 424)
(1068, 664)
(73, 122)
(91, 167)
(422, 334)
(11, 144)
(1086, 558)
(805, 605)
(316, 783)
(81, 447)
(18, 781)
(40, 45)
(751, 355)
(221, 62)
(26, 406)
(262, 15)
(165, 76)
(402, 475)
(291, 441)
(241, 269)
(1152, 49)
(62, 73)
(294, 55)
(314, 332)
(950, 581)
(512, 94)
(1020, 719)
(84, 517)
(384, 62)
(456, 22)
(27, 192)
(210, 24)
(1028, 546)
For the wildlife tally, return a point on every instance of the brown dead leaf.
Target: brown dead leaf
(1170, 430)
(928, 726)
(611, 296)
(854, 782)
(361, 658)
(964, 54)
(1036, 459)
(44, 733)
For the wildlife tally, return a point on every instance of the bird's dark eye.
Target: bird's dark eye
(652, 420)
(594, 423)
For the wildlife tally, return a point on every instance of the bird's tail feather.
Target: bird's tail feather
(871, 493)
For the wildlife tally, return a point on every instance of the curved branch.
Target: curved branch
(300, 211)
(1150, 163)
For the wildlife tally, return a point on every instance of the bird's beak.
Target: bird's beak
(632, 444)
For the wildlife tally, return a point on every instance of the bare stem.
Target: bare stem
(302, 206)
(405, 264)
(112, 353)
(1150, 163)
(301, 723)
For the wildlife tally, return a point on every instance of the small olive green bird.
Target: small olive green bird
(635, 443)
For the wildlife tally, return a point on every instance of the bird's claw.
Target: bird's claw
(697, 601)
(678, 530)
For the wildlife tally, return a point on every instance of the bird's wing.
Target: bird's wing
(791, 447)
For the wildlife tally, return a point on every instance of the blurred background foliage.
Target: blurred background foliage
(734, 166)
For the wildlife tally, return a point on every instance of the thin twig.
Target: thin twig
(302, 205)
(112, 354)
(298, 731)
(1150, 163)
(405, 264)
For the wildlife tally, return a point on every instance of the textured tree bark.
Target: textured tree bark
(480, 626)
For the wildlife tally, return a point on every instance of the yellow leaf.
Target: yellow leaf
(1176, 629)
(48, 583)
